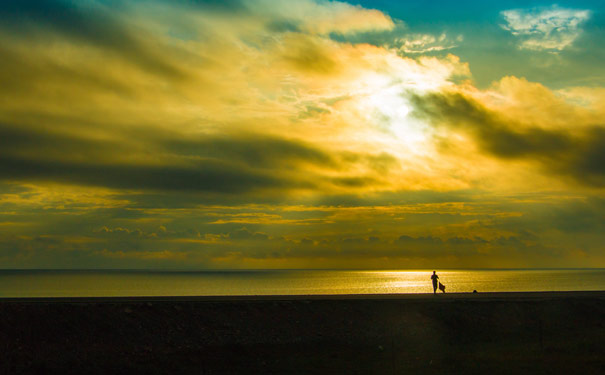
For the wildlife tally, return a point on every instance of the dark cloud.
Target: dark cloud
(254, 150)
(226, 5)
(211, 176)
(31, 143)
(119, 232)
(16, 189)
(283, 26)
(308, 55)
(457, 245)
(572, 217)
(385, 198)
(227, 167)
(579, 153)
(246, 234)
(118, 237)
(429, 240)
(148, 199)
(354, 182)
(91, 25)
(188, 199)
(22, 74)
(242, 163)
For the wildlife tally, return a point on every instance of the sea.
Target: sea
(130, 283)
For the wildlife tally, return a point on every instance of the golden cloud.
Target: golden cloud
(251, 123)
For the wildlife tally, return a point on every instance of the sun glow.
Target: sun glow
(383, 102)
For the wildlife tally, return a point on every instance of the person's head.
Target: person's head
(434, 272)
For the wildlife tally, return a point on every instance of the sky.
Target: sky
(264, 134)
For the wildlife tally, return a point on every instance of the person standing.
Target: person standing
(435, 279)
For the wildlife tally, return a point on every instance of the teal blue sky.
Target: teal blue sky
(492, 51)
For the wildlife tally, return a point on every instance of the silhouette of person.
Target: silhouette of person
(435, 279)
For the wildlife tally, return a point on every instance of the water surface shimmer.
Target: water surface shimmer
(108, 283)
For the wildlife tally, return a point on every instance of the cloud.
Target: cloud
(478, 232)
(574, 152)
(162, 133)
(244, 234)
(286, 109)
(545, 29)
(323, 17)
(223, 163)
(426, 43)
(243, 163)
(93, 24)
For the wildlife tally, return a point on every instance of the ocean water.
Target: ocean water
(105, 283)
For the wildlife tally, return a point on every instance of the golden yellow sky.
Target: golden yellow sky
(296, 134)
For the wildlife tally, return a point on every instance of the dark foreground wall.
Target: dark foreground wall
(487, 334)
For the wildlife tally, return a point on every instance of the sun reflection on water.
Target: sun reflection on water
(37, 283)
